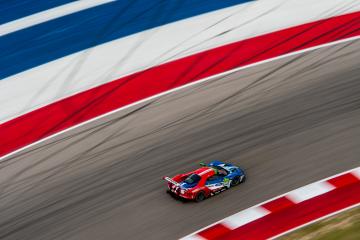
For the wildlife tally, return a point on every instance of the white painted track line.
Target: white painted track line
(48, 15)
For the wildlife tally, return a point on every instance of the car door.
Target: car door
(215, 183)
(223, 175)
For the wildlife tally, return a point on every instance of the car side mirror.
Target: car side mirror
(202, 164)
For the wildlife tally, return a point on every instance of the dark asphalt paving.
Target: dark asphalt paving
(287, 123)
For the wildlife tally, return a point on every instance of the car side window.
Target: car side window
(221, 171)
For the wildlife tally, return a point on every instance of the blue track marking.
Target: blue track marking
(60, 37)
(11, 10)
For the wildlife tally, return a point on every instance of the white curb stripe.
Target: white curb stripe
(309, 191)
(244, 217)
(356, 173)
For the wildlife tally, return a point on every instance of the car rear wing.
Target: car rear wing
(171, 181)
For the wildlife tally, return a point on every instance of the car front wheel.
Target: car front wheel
(243, 179)
(235, 181)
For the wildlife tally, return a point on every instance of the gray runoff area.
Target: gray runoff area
(288, 123)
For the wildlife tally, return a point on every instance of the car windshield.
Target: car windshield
(220, 170)
(192, 178)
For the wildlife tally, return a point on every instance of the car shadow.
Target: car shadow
(176, 197)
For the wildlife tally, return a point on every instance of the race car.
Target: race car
(206, 181)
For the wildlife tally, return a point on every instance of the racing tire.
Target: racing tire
(235, 181)
(200, 197)
(243, 179)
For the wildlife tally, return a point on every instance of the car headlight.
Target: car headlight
(182, 191)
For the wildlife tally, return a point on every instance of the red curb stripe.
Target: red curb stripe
(278, 204)
(343, 180)
(276, 223)
(214, 232)
(95, 102)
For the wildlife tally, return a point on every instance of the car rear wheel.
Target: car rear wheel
(200, 197)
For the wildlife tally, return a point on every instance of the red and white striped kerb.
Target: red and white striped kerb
(288, 211)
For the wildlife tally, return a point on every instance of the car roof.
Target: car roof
(204, 171)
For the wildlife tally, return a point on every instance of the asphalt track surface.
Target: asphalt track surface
(287, 123)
